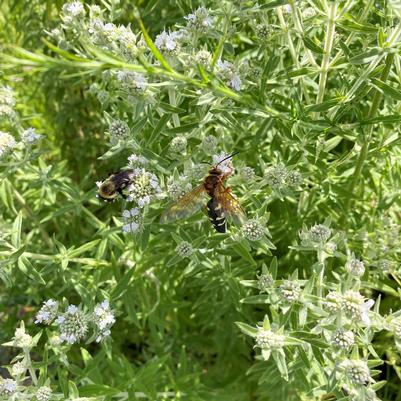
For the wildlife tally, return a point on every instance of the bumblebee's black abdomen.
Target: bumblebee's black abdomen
(216, 215)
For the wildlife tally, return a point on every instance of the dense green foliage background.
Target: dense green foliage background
(331, 114)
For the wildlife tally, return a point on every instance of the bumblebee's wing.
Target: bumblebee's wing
(230, 204)
(185, 206)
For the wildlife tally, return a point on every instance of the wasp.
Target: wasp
(114, 185)
(222, 203)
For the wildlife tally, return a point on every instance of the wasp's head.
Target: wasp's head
(107, 191)
(215, 171)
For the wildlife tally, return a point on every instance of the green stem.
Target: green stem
(293, 53)
(324, 69)
(30, 367)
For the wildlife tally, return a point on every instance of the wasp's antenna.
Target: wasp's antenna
(210, 164)
(226, 158)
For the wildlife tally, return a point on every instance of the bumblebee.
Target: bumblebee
(114, 185)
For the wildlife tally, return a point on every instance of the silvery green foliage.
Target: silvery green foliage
(307, 93)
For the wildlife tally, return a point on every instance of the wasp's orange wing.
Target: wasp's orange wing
(185, 206)
(229, 203)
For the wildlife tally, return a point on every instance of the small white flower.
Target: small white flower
(22, 339)
(178, 144)
(355, 267)
(133, 220)
(365, 308)
(224, 162)
(203, 57)
(253, 230)
(356, 371)
(267, 339)
(184, 249)
(7, 142)
(44, 393)
(18, 369)
(103, 318)
(29, 136)
(135, 160)
(7, 386)
(144, 188)
(200, 20)
(73, 11)
(343, 338)
(132, 82)
(73, 325)
(47, 313)
(168, 42)
(290, 290)
(228, 73)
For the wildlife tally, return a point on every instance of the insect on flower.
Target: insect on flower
(111, 187)
(221, 204)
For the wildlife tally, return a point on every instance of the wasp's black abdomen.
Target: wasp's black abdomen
(216, 215)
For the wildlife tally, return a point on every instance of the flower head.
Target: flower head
(290, 290)
(203, 57)
(319, 233)
(135, 160)
(178, 144)
(104, 318)
(144, 188)
(209, 144)
(22, 339)
(118, 130)
(44, 393)
(73, 11)
(200, 20)
(355, 267)
(343, 338)
(133, 220)
(132, 82)
(18, 369)
(228, 73)
(73, 325)
(224, 162)
(265, 282)
(7, 142)
(178, 188)
(184, 249)
(267, 339)
(247, 173)
(168, 42)
(7, 387)
(47, 312)
(354, 306)
(253, 230)
(356, 371)
(29, 136)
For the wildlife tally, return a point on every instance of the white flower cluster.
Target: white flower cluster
(133, 220)
(118, 130)
(7, 143)
(144, 188)
(7, 103)
(199, 21)
(290, 290)
(30, 136)
(356, 371)
(22, 339)
(319, 233)
(136, 160)
(268, 339)
(169, 42)
(103, 318)
(72, 12)
(178, 188)
(47, 312)
(178, 144)
(253, 230)
(44, 393)
(355, 267)
(229, 74)
(132, 82)
(224, 162)
(352, 304)
(282, 179)
(7, 387)
(73, 325)
(184, 249)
